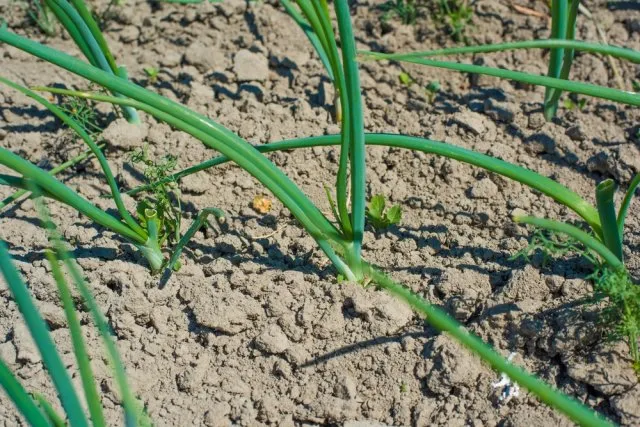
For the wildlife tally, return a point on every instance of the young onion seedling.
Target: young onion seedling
(126, 226)
(76, 18)
(35, 408)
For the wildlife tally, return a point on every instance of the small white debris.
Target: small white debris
(509, 389)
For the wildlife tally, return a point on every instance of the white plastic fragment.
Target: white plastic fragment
(509, 389)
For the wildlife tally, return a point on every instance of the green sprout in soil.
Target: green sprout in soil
(572, 103)
(621, 314)
(406, 79)
(456, 16)
(84, 113)
(152, 73)
(40, 14)
(406, 10)
(381, 218)
(551, 245)
(432, 90)
(163, 203)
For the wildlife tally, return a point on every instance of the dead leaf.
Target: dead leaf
(261, 204)
(527, 11)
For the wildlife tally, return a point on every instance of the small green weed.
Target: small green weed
(406, 79)
(621, 314)
(378, 217)
(83, 112)
(163, 204)
(40, 14)
(574, 103)
(432, 90)
(456, 15)
(406, 10)
(550, 246)
(152, 73)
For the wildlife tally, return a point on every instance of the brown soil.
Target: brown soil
(254, 330)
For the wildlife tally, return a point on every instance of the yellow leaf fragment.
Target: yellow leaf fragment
(261, 204)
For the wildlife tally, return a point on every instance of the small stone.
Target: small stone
(576, 288)
(525, 284)
(555, 282)
(463, 291)
(228, 244)
(170, 59)
(365, 423)
(536, 121)
(424, 410)
(229, 312)
(218, 266)
(601, 162)
(53, 314)
(539, 143)
(272, 340)
(453, 367)
(282, 369)
(629, 154)
(484, 80)
(396, 314)
(235, 385)
(484, 189)
(205, 58)
(607, 369)
(195, 185)
(231, 8)
(473, 122)
(500, 111)
(626, 406)
(26, 349)
(129, 34)
(8, 353)
(576, 133)
(217, 415)
(125, 135)
(189, 380)
(345, 387)
(332, 322)
(250, 66)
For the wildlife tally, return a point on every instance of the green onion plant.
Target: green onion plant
(340, 238)
(78, 21)
(144, 236)
(35, 408)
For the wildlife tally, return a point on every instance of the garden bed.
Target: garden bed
(254, 329)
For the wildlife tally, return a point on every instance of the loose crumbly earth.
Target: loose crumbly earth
(254, 329)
